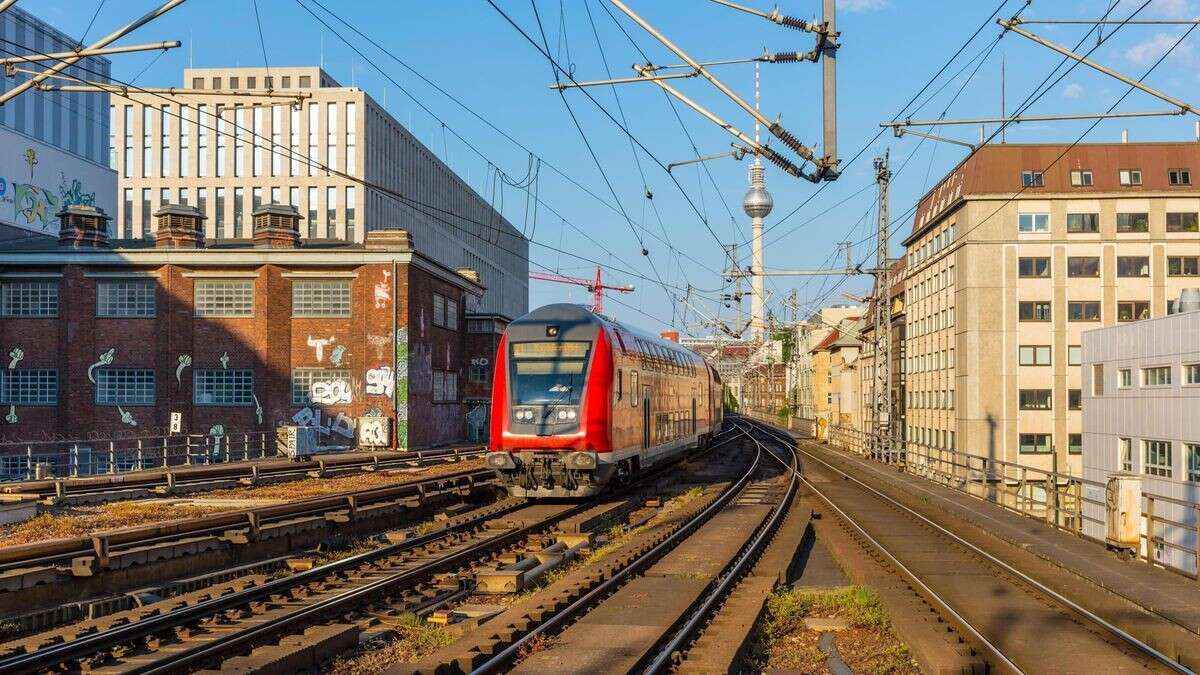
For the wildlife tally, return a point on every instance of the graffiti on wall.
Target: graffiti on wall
(335, 357)
(38, 180)
(15, 357)
(318, 346)
(105, 359)
(401, 388)
(258, 411)
(331, 392)
(342, 424)
(380, 344)
(381, 381)
(383, 291)
(33, 205)
(373, 432)
(225, 361)
(126, 417)
(216, 430)
(185, 360)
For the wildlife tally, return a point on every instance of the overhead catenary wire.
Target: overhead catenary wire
(482, 118)
(436, 213)
(599, 166)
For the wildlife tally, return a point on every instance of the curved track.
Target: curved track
(997, 606)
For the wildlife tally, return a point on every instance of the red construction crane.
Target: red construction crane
(595, 286)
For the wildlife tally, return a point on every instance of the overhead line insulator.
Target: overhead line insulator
(794, 23)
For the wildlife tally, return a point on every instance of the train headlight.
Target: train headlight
(500, 460)
(570, 414)
(582, 460)
(562, 414)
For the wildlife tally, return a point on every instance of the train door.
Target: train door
(693, 430)
(645, 417)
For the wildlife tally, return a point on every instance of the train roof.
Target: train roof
(572, 318)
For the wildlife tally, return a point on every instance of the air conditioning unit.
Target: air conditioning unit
(1123, 511)
(296, 443)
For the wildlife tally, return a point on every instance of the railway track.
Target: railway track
(245, 625)
(187, 636)
(1016, 622)
(192, 478)
(732, 526)
(64, 552)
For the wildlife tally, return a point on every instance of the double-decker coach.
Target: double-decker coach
(579, 400)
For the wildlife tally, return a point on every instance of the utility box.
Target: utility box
(295, 442)
(1123, 511)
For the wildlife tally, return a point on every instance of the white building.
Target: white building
(233, 140)
(1141, 415)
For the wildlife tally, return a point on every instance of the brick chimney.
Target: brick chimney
(83, 226)
(389, 239)
(276, 226)
(179, 226)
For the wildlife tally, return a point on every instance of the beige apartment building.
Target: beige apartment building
(1015, 254)
(809, 371)
(236, 138)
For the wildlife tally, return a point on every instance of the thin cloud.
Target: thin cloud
(1073, 90)
(1150, 50)
(862, 5)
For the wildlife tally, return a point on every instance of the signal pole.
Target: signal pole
(881, 385)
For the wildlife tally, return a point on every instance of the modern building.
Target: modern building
(52, 145)
(104, 337)
(1141, 396)
(1013, 256)
(75, 122)
(233, 139)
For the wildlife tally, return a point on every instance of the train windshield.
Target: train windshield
(549, 372)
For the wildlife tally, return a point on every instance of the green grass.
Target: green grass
(857, 604)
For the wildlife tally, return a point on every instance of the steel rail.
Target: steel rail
(307, 506)
(97, 642)
(180, 659)
(503, 657)
(733, 572)
(1041, 587)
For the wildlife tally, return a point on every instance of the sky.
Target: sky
(595, 161)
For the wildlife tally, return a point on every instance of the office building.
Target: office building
(239, 138)
(53, 145)
(1012, 257)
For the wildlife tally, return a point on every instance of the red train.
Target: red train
(579, 400)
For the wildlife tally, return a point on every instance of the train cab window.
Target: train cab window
(549, 372)
(633, 389)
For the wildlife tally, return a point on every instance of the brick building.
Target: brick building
(237, 336)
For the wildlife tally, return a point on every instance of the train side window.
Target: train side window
(620, 384)
(633, 388)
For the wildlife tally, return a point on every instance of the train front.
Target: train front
(551, 399)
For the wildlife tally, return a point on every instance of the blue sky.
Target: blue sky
(889, 49)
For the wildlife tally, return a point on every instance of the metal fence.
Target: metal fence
(1056, 498)
(88, 457)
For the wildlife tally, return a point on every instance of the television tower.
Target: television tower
(757, 204)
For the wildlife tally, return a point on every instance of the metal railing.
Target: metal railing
(89, 457)
(1059, 499)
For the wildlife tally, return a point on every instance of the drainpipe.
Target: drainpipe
(395, 363)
